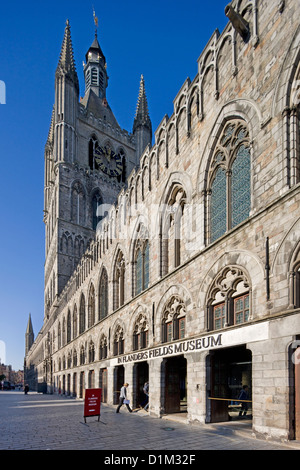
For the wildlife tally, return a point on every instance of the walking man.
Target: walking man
(123, 399)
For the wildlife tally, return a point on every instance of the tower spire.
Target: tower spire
(66, 63)
(29, 335)
(142, 114)
(142, 127)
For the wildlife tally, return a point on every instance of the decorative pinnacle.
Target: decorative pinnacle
(66, 62)
(142, 113)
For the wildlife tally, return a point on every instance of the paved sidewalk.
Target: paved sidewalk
(50, 422)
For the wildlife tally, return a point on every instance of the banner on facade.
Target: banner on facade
(92, 402)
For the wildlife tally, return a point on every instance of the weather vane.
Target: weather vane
(95, 20)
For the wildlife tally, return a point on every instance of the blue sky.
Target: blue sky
(161, 39)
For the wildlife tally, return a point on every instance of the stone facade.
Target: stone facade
(198, 255)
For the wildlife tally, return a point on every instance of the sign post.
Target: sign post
(92, 402)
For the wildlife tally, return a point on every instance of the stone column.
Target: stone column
(129, 379)
(110, 385)
(270, 385)
(196, 386)
(156, 387)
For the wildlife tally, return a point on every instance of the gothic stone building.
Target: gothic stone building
(178, 262)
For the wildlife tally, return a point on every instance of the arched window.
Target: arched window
(294, 276)
(103, 348)
(103, 295)
(141, 266)
(118, 345)
(229, 299)
(119, 281)
(96, 213)
(140, 333)
(69, 360)
(91, 352)
(78, 247)
(63, 332)
(82, 315)
(78, 208)
(53, 342)
(172, 230)
(91, 307)
(75, 332)
(122, 177)
(93, 145)
(74, 358)
(59, 336)
(173, 322)
(82, 355)
(69, 327)
(229, 181)
(293, 127)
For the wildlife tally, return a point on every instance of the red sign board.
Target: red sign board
(92, 402)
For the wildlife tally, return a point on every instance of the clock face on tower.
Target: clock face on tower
(108, 161)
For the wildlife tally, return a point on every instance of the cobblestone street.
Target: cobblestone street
(49, 422)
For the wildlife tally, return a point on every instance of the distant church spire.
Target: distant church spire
(142, 114)
(142, 127)
(66, 64)
(29, 335)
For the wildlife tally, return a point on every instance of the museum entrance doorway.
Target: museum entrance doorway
(229, 379)
(176, 385)
(141, 375)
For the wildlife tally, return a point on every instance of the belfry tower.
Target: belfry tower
(88, 158)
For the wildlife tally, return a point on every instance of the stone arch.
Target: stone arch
(243, 109)
(176, 291)
(78, 202)
(242, 260)
(285, 263)
(140, 322)
(284, 86)
(103, 293)
(119, 333)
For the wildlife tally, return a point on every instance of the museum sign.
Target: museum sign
(206, 342)
(234, 337)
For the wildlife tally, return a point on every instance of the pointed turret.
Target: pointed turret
(66, 101)
(66, 65)
(29, 335)
(142, 127)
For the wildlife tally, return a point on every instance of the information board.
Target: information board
(92, 402)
